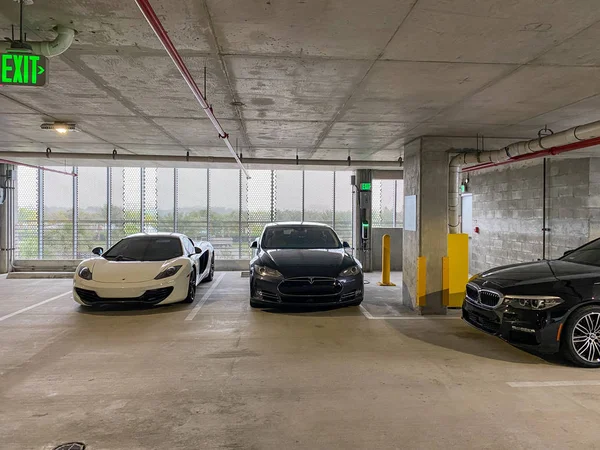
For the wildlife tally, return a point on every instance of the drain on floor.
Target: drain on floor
(71, 446)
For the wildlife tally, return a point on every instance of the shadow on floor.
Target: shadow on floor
(313, 311)
(133, 309)
(458, 336)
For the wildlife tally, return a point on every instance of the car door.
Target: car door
(190, 251)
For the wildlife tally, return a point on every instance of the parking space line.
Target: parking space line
(8, 316)
(370, 316)
(529, 384)
(205, 297)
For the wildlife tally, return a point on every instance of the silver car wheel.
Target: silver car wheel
(586, 337)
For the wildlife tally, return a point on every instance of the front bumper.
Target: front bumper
(266, 291)
(156, 292)
(534, 330)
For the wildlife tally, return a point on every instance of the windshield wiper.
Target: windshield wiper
(121, 258)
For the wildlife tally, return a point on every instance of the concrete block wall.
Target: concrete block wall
(507, 208)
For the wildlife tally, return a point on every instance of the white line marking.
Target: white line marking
(527, 384)
(365, 313)
(370, 316)
(33, 306)
(202, 301)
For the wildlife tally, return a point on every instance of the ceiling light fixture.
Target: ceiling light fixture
(60, 127)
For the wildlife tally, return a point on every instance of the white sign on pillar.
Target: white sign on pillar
(410, 213)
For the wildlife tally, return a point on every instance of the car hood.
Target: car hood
(308, 262)
(106, 271)
(533, 273)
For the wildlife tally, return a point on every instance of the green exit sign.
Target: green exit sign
(23, 69)
(365, 186)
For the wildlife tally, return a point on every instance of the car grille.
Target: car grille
(483, 297)
(310, 287)
(472, 293)
(151, 297)
(489, 298)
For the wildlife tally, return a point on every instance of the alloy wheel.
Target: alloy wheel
(586, 337)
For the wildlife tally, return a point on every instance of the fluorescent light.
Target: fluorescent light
(59, 127)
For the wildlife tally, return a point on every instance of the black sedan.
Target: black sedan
(547, 306)
(299, 263)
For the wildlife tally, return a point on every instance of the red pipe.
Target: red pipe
(548, 152)
(165, 40)
(6, 161)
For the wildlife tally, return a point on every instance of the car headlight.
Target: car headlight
(534, 302)
(167, 272)
(265, 271)
(85, 273)
(350, 271)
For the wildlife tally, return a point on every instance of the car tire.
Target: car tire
(211, 272)
(582, 331)
(191, 296)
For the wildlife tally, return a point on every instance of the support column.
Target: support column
(425, 238)
(362, 247)
(7, 217)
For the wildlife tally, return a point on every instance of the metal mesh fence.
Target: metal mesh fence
(383, 203)
(27, 226)
(289, 195)
(192, 203)
(150, 199)
(57, 223)
(92, 204)
(132, 201)
(260, 202)
(223, 213)
(165, 199)
(318, 196)
(343, 206)
(61, 217)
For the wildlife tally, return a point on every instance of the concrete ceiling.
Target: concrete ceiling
(317, 78)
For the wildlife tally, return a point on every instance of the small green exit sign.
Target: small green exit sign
(23, 69)
(365, 186)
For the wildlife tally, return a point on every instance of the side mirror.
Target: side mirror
(568, 252)
(198, 250)
(345, 244)
(254, 244)
(98, 251)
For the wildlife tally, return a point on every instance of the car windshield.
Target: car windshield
(145, 248)
(588, 254)
(299, 237)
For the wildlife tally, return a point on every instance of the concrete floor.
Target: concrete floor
(235, 378)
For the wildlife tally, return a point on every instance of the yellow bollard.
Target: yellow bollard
(386, 258)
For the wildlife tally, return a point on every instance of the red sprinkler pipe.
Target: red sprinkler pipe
(165, 40)
(6, 161)
(548, 152)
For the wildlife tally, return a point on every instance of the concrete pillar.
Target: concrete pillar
(426, 180)
(363, 250)
(7, 217)
(426, 176)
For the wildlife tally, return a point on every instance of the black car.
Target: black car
(547, 306)
(299, 263)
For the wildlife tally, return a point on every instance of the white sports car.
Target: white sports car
(151, 269)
